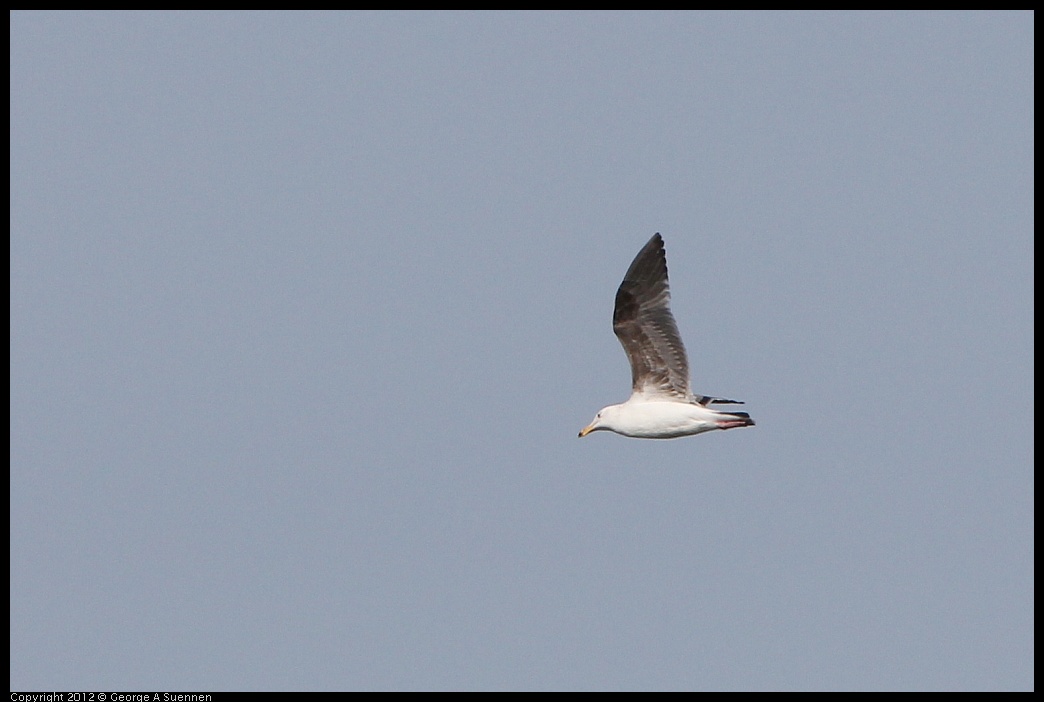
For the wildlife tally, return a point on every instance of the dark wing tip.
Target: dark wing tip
(649, 267)
(708, 400)
(644, 278)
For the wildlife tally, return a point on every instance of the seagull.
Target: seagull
(661, 406)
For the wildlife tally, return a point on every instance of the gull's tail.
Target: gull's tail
(731, 420)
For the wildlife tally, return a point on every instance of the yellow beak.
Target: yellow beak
(585, 431)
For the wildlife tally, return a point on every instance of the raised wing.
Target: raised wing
(644, 324)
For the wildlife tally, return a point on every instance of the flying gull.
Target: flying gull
(661, 406)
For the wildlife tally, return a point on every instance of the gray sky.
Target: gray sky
(307, 310)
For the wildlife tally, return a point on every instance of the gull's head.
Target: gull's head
(602, 420)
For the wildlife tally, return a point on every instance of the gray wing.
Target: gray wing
(644, 324)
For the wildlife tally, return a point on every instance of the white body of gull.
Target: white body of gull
(661, 405)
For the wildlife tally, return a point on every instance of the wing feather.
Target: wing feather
(643, 323)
